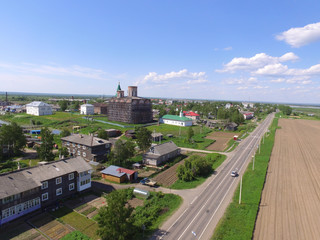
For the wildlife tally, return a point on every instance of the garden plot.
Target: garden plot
(20, 231)
(49, 226)
(290, 207)
(169, 176)
(222, 139)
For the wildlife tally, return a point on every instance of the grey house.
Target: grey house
(26, 190)
(89, 147)
(161, 153)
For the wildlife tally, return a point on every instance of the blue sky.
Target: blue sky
(223, 50)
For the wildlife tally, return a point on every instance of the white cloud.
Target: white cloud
(184, 74)
(198, 81)
(297, 37)
(74, 71)
(260, 87)
(272, 69)
(278, 80)
(258, 61)
(242, 88)
(228, 49)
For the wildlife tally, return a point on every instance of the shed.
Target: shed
(118, 174)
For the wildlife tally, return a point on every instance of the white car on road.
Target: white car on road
(234, 174)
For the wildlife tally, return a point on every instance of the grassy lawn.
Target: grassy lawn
(180, 134)
(77, 221)
(215, 159)
(239, 220)
(76, 235)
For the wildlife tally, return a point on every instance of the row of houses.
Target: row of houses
(27, 190)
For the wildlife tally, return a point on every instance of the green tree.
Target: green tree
(45, 149)
(190, 134)
(65, 132)
(103, 134)
(115, 220)
(143, 138)
(63, 105)
(122, 151)
(64, 152)
(13, 138)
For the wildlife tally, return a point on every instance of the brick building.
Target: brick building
(26, 190)
(100, 108)
(89, 147)
(130, 109)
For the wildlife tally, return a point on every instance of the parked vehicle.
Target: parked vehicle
(148, 182)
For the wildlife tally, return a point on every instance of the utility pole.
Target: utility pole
(240, 190)
(253, 163)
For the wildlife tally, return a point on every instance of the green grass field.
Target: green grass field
(77, 221)
(239, 219)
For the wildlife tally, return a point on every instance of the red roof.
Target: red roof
(127, 171)
(186, 113)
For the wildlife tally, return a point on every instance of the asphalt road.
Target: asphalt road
(202, 214)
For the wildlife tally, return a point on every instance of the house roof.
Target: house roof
(175, 117)
(38, 104)
(87, 105)
(127, 171)
(154, 135)
(112, 170)
(162, 149)
(192, 114)
(85, 140)
(30, 178)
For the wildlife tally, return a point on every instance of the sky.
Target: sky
(261, 51)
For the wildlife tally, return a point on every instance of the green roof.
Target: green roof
(175, 117)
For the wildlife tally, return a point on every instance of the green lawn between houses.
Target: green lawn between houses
(239, 220)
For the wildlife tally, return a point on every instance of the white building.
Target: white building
(176, 120)
(38, 108)
(87, 109)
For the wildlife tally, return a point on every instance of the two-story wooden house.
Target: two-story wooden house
(26, 190)
(89, 147)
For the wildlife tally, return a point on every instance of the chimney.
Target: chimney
(132, 91)
(120, 94)
(6, 96)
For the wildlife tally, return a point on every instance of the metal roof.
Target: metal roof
(30, 178)
(162, 149)
(37, 104)
(85, 140)
(112, 170)
(176, 118)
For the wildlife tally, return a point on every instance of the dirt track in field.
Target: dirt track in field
(290, 204)
(222, 139)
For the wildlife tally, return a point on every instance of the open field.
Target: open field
(222, 139)
(49, 226)
(290, 206)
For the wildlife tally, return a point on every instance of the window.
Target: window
(73, 144)
(73, 151)
(79, 153)
(79, 146)
(45, 196)
(68, 143)
(44, 185)
(58, 180)
(71, 176)
(84, 147)
(84, 154)
(59, 191)
(71, 186)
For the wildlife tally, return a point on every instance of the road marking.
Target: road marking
(194, 199)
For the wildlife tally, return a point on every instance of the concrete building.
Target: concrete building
(89, 147)
(176, 120)
(38, 108)
(192, 115)
(130, 109)
(161, 153)
(26, 190)
(87, 109)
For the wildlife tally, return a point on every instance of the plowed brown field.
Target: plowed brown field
(290, 204)
(222, 139)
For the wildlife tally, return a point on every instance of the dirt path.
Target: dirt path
(290, 204)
